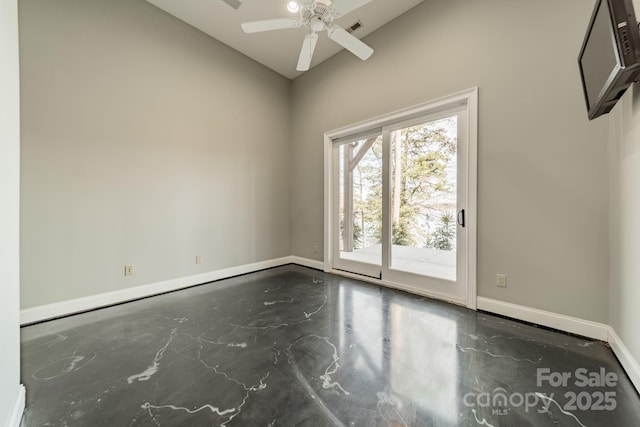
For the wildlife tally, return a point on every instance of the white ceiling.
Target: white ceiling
(279, 49)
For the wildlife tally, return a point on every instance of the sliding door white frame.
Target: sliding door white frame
(467, 100)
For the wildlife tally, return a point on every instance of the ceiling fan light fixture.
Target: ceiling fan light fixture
(316, 16)
(293, 6)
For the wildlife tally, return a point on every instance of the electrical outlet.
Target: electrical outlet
(198, 259)
(128, 270)
(315, 249)
(501, 280)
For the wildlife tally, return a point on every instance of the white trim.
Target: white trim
(472, 198)
(561, 322)
(628, 362)
(306, 262)
(394, 116)
(399, 286)
(63, 308)
(328, 202)
(569, 324)
(18, 408)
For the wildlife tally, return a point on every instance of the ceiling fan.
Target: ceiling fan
(317, 15)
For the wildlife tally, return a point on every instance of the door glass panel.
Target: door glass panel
(423, 198)
(360, 200)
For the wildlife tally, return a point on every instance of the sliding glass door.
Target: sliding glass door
(399, 201)
(426, 241)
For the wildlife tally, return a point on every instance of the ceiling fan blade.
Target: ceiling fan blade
(270, 24)
(342, 7)
(233, 3)
(306, 53)
(350, 42)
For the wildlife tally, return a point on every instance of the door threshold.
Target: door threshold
(401, 287)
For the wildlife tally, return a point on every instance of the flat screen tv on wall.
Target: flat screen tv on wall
(610, 56)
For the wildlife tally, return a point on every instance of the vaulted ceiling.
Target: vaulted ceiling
(278, 50)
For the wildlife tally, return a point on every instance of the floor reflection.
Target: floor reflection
(433, 390)
(408, 355)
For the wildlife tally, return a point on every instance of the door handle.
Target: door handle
(461, 219)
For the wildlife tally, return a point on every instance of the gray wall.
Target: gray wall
(9, 216)
(147, 143)
(144, 142)
(543, 214)
(625, 212)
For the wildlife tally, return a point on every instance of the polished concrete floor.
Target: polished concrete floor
(297, 347)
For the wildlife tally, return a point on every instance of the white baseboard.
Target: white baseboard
(628, 362)
(573, 325)
(64, 308)
(18, 408)
(306, 262)
(545, 318)
(561, 322)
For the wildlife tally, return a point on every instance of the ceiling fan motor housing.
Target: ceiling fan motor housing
(318, 14)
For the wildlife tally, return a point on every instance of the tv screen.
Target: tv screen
(610, 58)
